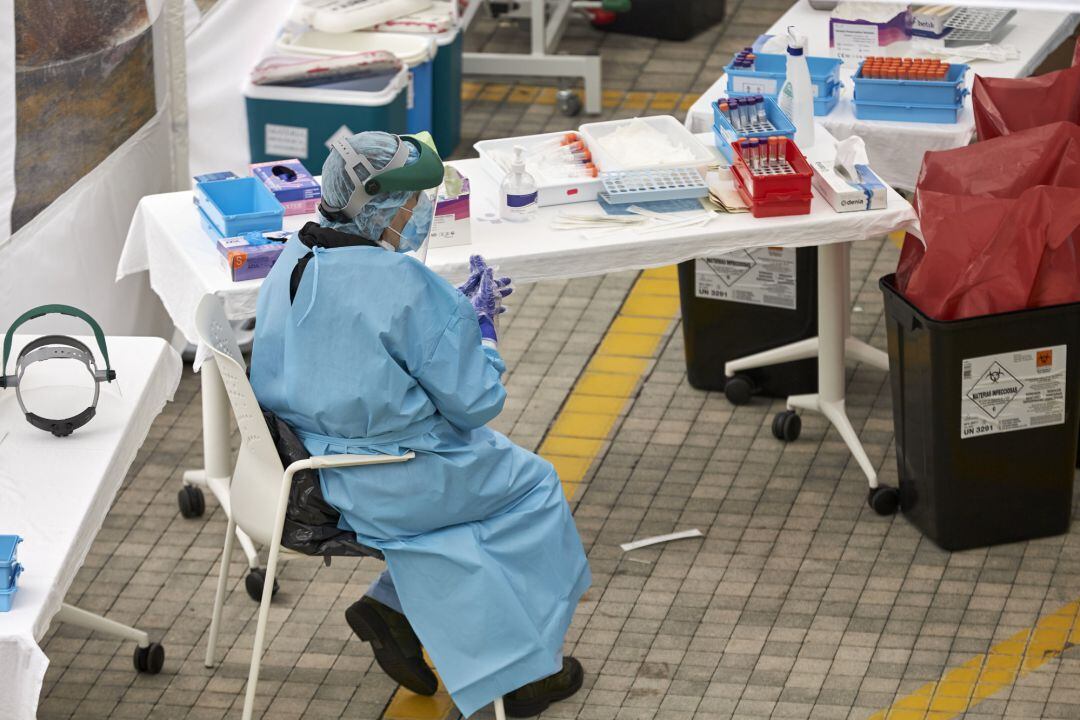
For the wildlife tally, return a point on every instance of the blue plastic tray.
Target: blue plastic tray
(7, 595)
(908, 112)
(769, 72)
(725, 134)
(9, 554)
(950, 91)
(239, 205)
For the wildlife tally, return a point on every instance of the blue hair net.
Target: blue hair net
(337, 186)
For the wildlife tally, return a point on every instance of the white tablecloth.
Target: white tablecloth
(896, 148)
(165, 239)
(55, 492)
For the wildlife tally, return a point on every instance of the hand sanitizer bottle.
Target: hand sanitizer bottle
(518, 191)
(797, 95)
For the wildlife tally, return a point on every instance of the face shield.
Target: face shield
(415, 235)
(423, 176)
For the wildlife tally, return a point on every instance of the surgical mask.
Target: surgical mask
(417, 229)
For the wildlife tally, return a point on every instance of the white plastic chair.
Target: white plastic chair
(259, 491)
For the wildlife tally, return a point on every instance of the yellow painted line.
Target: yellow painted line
(612, 98)
(636, 100)
(589, 414)
(665, 101)
(546, 96)
(523, 94)
(469, 90)
(897, 238)
(687, 103)
(962, 688)
(494, 92)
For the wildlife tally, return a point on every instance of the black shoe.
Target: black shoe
(396, 647)
(535, 697)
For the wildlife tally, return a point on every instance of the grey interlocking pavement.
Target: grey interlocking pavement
(798, 603)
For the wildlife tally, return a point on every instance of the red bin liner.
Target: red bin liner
(999, 220)
(1008, 105)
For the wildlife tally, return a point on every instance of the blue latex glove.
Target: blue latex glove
(477, 265)
(487, 302)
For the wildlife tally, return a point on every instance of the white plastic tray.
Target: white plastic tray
(594, 134)
(571, 191)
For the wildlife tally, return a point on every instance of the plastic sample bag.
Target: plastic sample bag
(1008, 105)
(999, 221)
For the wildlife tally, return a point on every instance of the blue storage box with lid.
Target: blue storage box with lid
(925, 101)
(239, 205)
(908, 112)
(769, 73)
(440, 23)
(949, 91)
(298, 122)
(9, 570)
(777, 124)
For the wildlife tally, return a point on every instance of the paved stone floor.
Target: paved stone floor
(799, 602)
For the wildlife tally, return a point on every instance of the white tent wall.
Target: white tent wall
(221, 50)
(68, 252)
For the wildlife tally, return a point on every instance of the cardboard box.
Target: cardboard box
(451, 225)
(250, 256)
(855, 40)
(291, 183)
(846, 196)
(929, 20)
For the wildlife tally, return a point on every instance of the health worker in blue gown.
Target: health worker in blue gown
(361, 348)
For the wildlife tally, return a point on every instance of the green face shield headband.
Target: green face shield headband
(52, 347)
(395, 176)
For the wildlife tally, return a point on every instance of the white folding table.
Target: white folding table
(166, 240)
(896, 149)
(55, 493)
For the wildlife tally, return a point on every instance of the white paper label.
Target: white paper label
(287, 140)
(341, 132)
(762, 276)
(1013, 391)
(854, 43)
(753, 85)
(447, 231)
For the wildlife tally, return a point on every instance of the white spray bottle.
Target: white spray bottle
(518, 192)
(797, 95)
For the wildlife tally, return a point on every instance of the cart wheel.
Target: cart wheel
(149, 659)
(884, 500)
(569, 102)
(254, 582)
(191, 501)
(739, 390)
(786, 426)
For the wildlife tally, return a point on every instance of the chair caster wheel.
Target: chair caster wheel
(884, 500)
(149, 659)
(786, 426)
(569, 102)
(254, 582)
(739, 390)
(192, 502)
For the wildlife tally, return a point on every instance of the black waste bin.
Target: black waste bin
(986, 414)
(743, 303)
(668, 19)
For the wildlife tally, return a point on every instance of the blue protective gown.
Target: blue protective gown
(378, 354)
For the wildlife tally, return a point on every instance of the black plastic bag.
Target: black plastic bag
(311, 523)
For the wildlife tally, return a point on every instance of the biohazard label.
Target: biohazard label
(762, 276)
(286, 140)
(1013, 391)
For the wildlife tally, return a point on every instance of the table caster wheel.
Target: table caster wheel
(884, 500)
(149, 659)
(739, 390)
(191, 501)
(569, 102)
(254, 582)
(786, 426)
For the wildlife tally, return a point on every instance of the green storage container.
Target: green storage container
(299, 122)
(446, 92)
